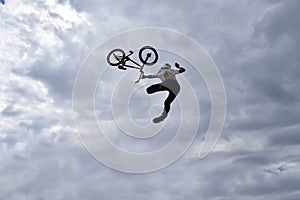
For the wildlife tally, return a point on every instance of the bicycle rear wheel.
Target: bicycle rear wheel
(145, 59)
(115, 57)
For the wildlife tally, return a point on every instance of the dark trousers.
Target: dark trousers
(172, 86)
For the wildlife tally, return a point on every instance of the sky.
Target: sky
(255, 45)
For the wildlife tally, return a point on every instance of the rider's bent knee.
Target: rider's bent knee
(149, 90)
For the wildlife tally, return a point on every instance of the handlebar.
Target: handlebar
(130, 53)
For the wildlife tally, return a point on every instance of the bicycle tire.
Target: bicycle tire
(110, 54)
(144, 61)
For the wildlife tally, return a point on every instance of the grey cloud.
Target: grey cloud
(58, 78)
(285, 137)
(274, 91)
(255, 45)
(267, 83)
(10, 111)
(39, 124)
(281, 15)
(277, 170)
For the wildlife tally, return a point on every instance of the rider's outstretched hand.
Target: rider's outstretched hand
(181, 69)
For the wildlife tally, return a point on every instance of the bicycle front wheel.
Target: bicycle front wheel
(148, 55)
(115, 57)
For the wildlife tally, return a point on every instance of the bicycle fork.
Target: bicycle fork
(141, 74)
(141, 70)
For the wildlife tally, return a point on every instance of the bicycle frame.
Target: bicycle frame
(127, 58)
(138, 66)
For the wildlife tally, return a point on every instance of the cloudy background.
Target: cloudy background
(254, 43)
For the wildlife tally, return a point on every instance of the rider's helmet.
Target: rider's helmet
(166, 66)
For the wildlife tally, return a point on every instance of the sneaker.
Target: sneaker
(160, 118)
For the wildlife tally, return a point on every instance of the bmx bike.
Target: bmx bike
(147, 55)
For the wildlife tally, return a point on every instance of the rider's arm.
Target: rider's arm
(180, 69)
(149, 76)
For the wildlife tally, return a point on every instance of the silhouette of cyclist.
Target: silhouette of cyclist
(169, 83)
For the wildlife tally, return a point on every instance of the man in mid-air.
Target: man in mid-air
(169, 83)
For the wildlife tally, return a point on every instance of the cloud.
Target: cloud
(286, 137)
(256, 47)
(9, 111)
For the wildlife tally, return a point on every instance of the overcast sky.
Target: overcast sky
(256, 46)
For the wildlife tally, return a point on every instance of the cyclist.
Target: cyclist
(169, 83)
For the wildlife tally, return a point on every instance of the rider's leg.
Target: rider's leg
(173, 88)
(167, 104)
(155, 88)
(169, 100)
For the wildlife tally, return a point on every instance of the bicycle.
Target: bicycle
(117, 57)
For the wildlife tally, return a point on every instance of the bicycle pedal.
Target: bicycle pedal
(121, 67)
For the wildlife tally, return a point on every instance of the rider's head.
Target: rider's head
(166, 66)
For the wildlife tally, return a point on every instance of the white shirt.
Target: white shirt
(167, 74)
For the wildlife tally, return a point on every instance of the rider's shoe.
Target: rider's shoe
(121, 67)
(160, 118)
